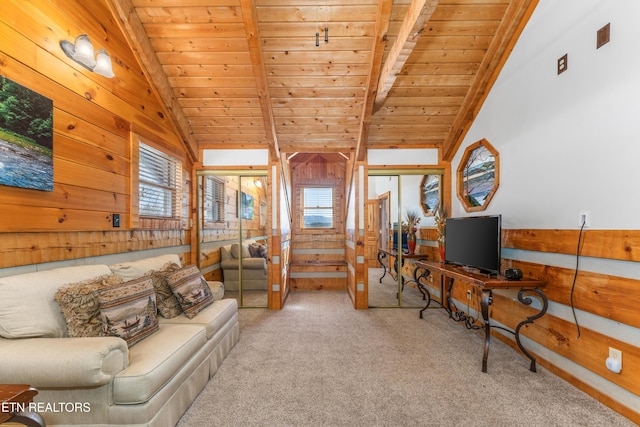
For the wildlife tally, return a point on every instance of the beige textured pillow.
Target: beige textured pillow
(236, 248)
(191, 290)
(128, 310)
(168, 305)
(80, 306)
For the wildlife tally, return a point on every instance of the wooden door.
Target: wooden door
(384, 226)
(372, 234)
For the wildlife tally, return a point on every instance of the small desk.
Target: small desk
(13, 397)
(385, 253)
(486, 285)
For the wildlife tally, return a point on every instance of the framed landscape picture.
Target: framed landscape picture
(26, 137)
(246, 206)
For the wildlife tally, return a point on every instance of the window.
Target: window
(318, 207)
(213, 199)
(430, 197)
(478, 176)
(160, 180)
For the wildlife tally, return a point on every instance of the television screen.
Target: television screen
(474, 242)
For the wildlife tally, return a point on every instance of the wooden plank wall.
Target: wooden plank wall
(606, 296)
(281, 235)
(94, 145)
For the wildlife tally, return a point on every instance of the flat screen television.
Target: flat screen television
(474, 242)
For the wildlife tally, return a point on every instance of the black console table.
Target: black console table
(383, 254)
(486, 284)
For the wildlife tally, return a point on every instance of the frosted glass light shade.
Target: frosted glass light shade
(103, 64)
(82, 52)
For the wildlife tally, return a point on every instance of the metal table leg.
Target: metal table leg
(485, 302)
(381, 257)
(426, 295)
(527, 301)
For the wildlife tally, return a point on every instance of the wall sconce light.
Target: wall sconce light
(258, 182)
(82, 52)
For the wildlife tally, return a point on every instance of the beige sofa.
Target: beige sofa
(93, 381)
(254, 268)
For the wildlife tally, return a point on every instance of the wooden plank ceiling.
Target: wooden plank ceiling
(391, 73)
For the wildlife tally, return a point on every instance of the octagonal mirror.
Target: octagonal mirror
(478, 176)
(430, 193)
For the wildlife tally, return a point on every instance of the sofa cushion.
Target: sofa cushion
(28, 307)
(128, 310)
(134, 269)
(212, 318)
(191, 290)
(238, 248)
(154, 361)
(80, 305)
(168, 305)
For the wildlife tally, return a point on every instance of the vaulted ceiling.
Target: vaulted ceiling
(384, 73)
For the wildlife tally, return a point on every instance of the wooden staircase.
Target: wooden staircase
(318, 262)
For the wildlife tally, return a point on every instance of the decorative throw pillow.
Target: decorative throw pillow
(258, 250)
(168, 305)
(237, 248)
(128, 310)
(80, 306)
(191, 290)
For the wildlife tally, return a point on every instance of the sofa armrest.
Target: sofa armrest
(230, 264)
(254, 263)
(247, 264)
(62, 362)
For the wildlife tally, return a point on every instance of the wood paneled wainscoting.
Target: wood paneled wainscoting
(605, 296)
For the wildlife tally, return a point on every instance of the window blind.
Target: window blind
(213, 199)
(318, 207)
(159, 183)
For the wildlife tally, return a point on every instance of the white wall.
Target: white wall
(567, 142)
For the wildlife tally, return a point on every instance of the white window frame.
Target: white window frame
(307, 209)
(214, 193)
(159, 183)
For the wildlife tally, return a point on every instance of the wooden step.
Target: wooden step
(318, 265)
(318, 275)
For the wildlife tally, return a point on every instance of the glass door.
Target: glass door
(397, 212)
(233, 233)
(383, 280)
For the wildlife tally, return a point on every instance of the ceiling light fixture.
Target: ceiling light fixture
(82, 52)
(326, 24)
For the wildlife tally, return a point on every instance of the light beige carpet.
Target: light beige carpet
(319, 362)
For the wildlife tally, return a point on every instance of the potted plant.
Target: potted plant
(440, 214)
(411, 227)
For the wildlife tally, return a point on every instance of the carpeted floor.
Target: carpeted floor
(319, 362)
(383, 291)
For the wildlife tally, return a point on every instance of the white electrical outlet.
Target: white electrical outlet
(614, 361)
(615, 354)
(469, 294)
(584, 218)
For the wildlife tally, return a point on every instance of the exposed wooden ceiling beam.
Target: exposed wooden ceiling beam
(136, 36)
(377, 51)
(417, 16)
(511, 26)
(250, 19)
